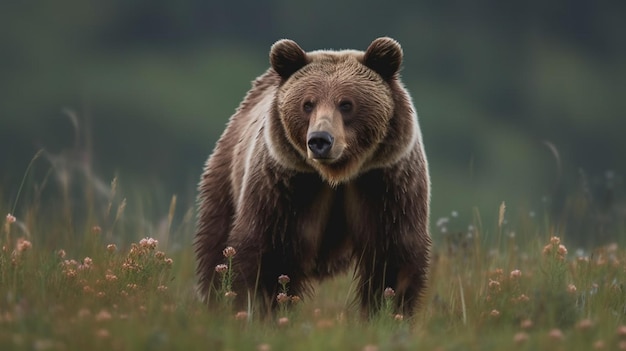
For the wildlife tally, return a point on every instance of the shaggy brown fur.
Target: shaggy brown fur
(321, 167)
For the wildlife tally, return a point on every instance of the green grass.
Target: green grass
(78, 276)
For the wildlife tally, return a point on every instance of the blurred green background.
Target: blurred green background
(520, 102)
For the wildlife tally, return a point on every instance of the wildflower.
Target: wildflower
(230, 294)
(110, 277)
(96, 229)
(10, 219)
(148, 243)
(161, 288)
(241, 316)
(515, 274)
(398, 317)
(562, 250)
(441, 222)
(84, 313)
(317, 313)
(526, 324)
(389, 293)
(23, 245)
(221, 268)
(111, 248)
(103, 333)
(556, 334)
(229, 252)
(282, 298)
(295, 299)
(494, 285)
(283, 321)
(87, 261)
(571, 288)
(584, 324)
(621, 330)
(134, 250)
(168, 261)
(70, 273)
(61, 253)
(555, 240)
(103, 315)
(283, 279)
(523, 298)
(547, 250)
(520, 337)
(159, 255)
(101, 294)
(494, 313)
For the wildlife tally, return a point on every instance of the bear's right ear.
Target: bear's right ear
(286, 57)
(384, 55)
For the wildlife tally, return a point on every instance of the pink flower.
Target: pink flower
(282, 298)
(556, 334)
(283, 279)
(221, 268)
(10, 219)
(229, 252)
(571, 288)
(389, 293)
(516, 274)
(520, 337)
(103, 315)
(241, 316)
(148, 243)
(23, 245)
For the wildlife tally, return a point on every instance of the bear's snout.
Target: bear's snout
(320, 144)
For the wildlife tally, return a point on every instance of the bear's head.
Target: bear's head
(339, 112)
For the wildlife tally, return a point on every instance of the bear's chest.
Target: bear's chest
(319, 225)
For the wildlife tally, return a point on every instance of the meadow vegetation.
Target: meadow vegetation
(75, 273)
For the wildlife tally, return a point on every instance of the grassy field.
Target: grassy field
(75, 276)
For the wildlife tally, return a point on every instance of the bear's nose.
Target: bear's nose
(320, 144)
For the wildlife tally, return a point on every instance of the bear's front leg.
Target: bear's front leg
(386, 281)
(393, 240)
(257, 266)
(266, 241)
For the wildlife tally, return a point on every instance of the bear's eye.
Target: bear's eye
(307, 106)
(345, 106)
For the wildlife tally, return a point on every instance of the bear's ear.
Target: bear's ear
(384, 55)
(286, 57)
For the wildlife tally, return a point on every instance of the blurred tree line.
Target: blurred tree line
(517, 101)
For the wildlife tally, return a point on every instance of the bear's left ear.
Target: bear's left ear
(384, 55)
(286, 57)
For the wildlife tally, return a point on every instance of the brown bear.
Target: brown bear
(322, 167)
